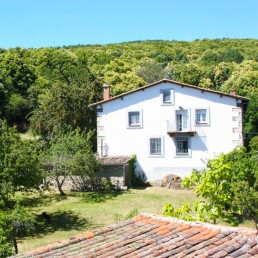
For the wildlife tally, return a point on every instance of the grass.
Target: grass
(80, 212)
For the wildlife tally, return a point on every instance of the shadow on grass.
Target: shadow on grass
(42, 200)
(100, 196)
(60, 221)
(141, 187)
(88, 197)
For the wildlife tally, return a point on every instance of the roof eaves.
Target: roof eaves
(115, 160)
(169, 81)
(125, 93)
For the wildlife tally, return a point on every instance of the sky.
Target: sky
(51, 23)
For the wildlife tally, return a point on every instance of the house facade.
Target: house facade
(171, 127)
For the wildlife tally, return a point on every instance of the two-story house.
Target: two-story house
(172, 127)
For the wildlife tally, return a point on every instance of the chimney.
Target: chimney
(232, 92)
(106, 92)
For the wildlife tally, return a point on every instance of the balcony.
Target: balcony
(175, 130)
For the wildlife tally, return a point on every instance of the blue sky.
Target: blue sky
(43, 23)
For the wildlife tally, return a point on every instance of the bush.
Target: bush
(220, 187)
(135, 180)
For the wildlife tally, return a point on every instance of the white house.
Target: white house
(172, 127)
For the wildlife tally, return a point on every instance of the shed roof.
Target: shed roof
(151, 235)
(244, 99)
(115, 160)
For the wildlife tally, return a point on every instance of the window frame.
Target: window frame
(134, 126)
(202, 123)
(189, 150)
(171, 100)
(156, 155)
(186, 115)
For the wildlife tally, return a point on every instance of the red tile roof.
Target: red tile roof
(115, 160)
(150, 235)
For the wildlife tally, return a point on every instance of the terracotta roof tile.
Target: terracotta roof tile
(115, 160)
(150, 235)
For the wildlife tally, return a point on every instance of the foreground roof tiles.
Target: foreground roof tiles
(155, 236)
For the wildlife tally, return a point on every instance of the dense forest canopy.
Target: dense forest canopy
(49, 89)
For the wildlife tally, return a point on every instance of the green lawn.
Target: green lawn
(79, 212)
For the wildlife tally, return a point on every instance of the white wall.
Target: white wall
(209, 141)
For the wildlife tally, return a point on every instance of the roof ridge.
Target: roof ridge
(169, 81)
(200, 223)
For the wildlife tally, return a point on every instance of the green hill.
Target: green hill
(32, 79)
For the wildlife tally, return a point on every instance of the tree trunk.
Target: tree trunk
(15, 245)
(60, 189)
(59, 185)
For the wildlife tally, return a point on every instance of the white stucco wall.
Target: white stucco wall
(210, 140)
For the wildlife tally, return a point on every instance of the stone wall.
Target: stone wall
(113, 173)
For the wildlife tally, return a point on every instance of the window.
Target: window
(202, 116)
(156, 146)
(182, 123)
(167, 97)
(134, 119)
(182, 146)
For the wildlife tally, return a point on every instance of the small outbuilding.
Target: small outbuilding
(116, 168)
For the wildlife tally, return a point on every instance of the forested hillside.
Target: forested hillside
(50, 88)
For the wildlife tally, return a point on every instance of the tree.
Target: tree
(17, 70)
(150, 71)
(19, 163)
(6, 247)
(246, 198)
(17, 75)
(219, 186)
(220, 73)
(18, 108)
(254, 147)
(231, 55)
(3, 101)
(65, 103)
(181, 57)
(70, 154)
(209, 57)
(14, 224)
(123, 82)
(244, 80)
(251, 116)
(22, 166)
(190, 73)
(62, 108)
(254, 152)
